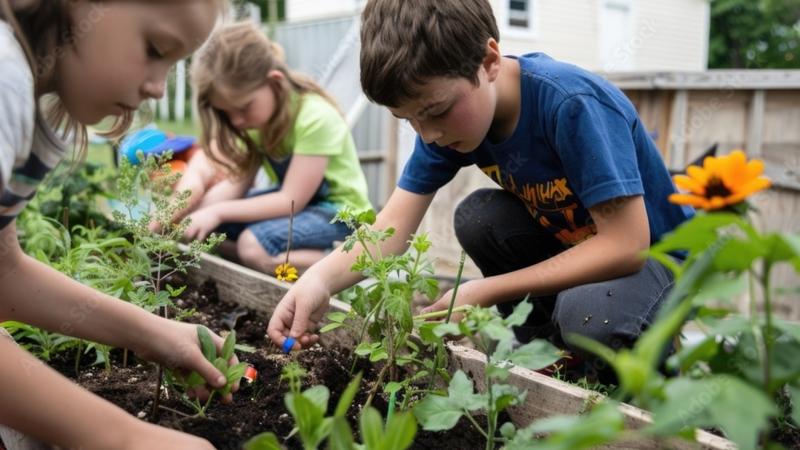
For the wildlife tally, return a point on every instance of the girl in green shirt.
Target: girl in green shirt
(256, 113)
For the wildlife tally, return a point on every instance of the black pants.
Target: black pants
(500, 235)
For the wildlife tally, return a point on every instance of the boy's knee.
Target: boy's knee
(577, 314)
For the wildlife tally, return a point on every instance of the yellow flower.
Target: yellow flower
(722, 182)
(286, 272)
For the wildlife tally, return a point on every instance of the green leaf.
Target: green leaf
(330, 327)
(227, 347)
(378, 354)
(520, 314)
(319, 396)
(367, 217)
(400, 431)
(445, 329)
(688, 356)
(535, 355)
(497, 331)
(308, 418)
(221, 365)
(206, 343)
(365, 348)
(696, 234)
(437, 413)
(347, 396)
(194, 380)
(371, 425)
(720, 286)
(341, 437)
(736, 254)
(462, 392)
(263, 441)
(337, 316)
(715, 402)
(601, 426)
(392, 387)
(235, 373)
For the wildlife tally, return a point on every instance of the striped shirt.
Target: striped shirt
(29, 148)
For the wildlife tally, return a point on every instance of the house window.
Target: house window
(519, 14)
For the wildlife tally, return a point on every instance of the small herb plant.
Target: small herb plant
(221, 360)
(491, 335)
(293, 374)
(382, 310)
(313, 426)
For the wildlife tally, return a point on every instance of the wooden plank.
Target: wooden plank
(676, 147)
(546, 396)
(709, 80)
(755, 129)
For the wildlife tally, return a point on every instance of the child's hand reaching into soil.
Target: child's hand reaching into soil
(176, 346)
(300, 311)
(145, 436)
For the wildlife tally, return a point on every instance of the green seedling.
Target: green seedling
(221, 360)
(492, 335)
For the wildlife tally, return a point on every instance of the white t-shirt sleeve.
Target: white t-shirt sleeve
(17, 107)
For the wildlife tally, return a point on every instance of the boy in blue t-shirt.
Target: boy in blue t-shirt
(583, 188)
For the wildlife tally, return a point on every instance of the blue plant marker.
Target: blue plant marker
(288, 344)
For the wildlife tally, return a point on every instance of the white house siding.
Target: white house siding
(680, 34)
(661, 35)
(301, 10)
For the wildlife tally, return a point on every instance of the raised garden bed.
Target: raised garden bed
(219, 288)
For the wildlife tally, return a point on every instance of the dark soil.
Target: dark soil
(256, 407)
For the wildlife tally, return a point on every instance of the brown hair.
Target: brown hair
(404, 43)
(45, 30)
(238, 57)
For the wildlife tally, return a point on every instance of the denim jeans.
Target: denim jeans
(500, 235)
(311, 229)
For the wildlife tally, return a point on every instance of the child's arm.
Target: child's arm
(303, 178)
(37, 294)
(615, 251)
(40, 403)
(302, 307)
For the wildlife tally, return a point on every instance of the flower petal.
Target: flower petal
(698, 173)
(689, 184)
(687, 199)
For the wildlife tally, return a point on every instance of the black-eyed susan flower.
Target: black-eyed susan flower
(286, 272)
(722, 182)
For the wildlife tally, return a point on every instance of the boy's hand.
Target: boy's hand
(175, 345)
(203, 222)
(468, 294)
(299, 311)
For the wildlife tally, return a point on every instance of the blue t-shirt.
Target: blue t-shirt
(579, 142)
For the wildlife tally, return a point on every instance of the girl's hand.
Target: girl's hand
(299, 311)
(146, 436)
(203, 222)
(176, 345)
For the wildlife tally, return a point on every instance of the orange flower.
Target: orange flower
(722, 182)
(286, 272)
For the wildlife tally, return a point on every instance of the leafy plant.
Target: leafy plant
(221, 360)
(744, 360)
(313, 427)
(293, 374)
(491, 335)
(382, 310)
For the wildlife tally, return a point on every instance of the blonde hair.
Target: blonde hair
(44, 30)
(238, 57)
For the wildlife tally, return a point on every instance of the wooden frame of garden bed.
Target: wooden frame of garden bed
(546, 396)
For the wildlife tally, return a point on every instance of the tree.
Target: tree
(755, 34)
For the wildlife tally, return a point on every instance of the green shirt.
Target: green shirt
(320, 130)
